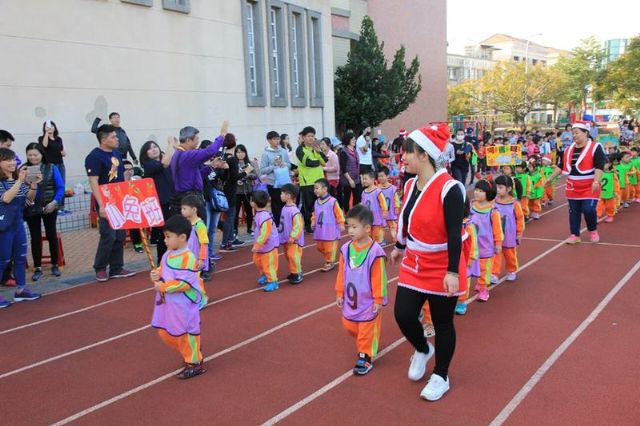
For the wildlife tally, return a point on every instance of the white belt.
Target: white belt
(426, 247)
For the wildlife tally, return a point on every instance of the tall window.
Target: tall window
(315, 59)
(296, 56)
(253, 55)
(276, 53)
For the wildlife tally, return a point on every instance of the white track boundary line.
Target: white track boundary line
(551, 240)
(106, 302)
(130, 332)
(544, 368)
(206, 359)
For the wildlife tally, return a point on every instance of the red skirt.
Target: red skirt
(581, 189)
(425, 271)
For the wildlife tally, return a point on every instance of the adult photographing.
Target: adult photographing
(582, 163)
(275, 164)
(429, 245)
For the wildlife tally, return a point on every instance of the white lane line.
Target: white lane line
(130, 332)
(600, 243)
(206, 359)
(544, 368)
(326, 388)
(106, 302)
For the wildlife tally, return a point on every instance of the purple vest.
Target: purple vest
(390, 196)
(286, 225)
(358, 297)
(327, 227)
(370, 201)
(194, 245)
(508, 219)
(178, 314)
(486, 243)
(273, 240)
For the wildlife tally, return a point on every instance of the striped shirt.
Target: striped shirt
(8, 184)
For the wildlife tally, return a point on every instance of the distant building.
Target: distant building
(614, 48)
(504, 47)
(461, 68)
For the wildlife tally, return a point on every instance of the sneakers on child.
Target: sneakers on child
(609, 219)
(328, 267)
(435, 389)
(262, 280)
(204, 301)
(429, 331)
(461, 308)
(511, 276)
(206, 276)
(595, 237)
(191, 370)
(271, 286)
(4, 303)
(483, 295)
(535, 216)
(625, 205)
(37, 274)
(418, 365)
(295, 278)
(215, 257)
(494, 279)
(363, 365)
(55, 271)
(26, 295)
(573, 239)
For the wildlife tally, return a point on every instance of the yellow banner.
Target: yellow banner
(503, 155)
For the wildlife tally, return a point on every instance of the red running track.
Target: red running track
(286, 353)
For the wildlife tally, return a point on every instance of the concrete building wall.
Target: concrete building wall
(73, 60)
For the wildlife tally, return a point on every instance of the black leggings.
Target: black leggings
(244, 201)
(50, 231)
(347, 191)
(407, 310)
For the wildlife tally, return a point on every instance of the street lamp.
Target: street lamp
(526, 52)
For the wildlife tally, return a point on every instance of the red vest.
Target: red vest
(580, 187)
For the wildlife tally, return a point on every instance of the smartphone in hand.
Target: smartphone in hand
(32, 174)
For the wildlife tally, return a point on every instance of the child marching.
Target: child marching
(525, 182)
(512, 219)
(327, 223)
(198, 240)
(549, 190)
(610, 186)
(265, 248)
(291, 232)
(392, 198)
(470, 250)
(537, 188)
(361, 287)
(373, 199)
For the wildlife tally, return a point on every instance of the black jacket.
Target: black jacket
(125, 144)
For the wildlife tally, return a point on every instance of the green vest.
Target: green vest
(536, 193)
(309, 175)
(622, 170)
(633, 176)
(608, 180)
(525, 181)
(548, 171)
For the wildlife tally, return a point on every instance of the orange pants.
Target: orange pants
(267, 264)
(462, 297)
(293, 253)
(524, 203)
(549, 193)
(632, 192)
(486, 265)
(638, 190)
(366, 333)
(377, 233)
(624, 194)
(535, 206)
(393, 227)
(329, 250)
(426, 311)
(511, 261)
(188, 345)
(606, 206)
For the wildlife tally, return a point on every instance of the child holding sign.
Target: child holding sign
(176, 314)
(361, 287)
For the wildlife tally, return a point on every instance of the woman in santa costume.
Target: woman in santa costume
(429, 247)
(582, 163)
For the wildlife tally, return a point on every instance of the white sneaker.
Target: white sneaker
(436, 387)
(511, 276)
(418, 365)
(494, 279)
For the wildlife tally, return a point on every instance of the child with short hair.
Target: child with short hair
(635, 160)
(191, 206)
(176, 312)
(291, 232)
(361, 287)
(513, 227)
(392, 198)
(265, 247)
(525, 183)
(373, 199)
(624, 172)
(537, 187)
(610, 185)
(487, 221)
(327, 222)
(632, 174)
(470, 250)
(549, 190)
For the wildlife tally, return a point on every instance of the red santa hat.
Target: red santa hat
(403, 132)
(433, 139)
(584, 125)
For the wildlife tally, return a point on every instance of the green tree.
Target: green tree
(620, 82)
(466, 98)
(366, 89)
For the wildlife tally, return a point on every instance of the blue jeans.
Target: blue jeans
(13, 246)
(460, 174)
(577, 208)
(227, 227)
(110, 248)
(212, 227)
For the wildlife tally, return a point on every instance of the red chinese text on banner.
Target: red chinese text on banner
(132, 205)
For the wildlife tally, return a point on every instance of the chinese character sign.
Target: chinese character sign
(504, 155)
(132, 205)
